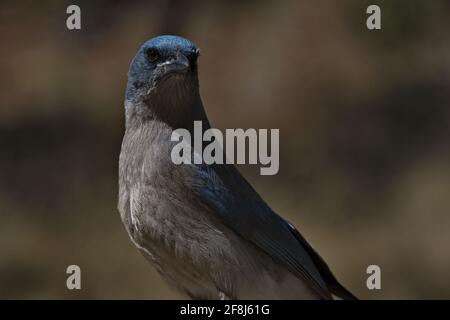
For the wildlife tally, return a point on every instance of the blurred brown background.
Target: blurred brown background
(364, 120)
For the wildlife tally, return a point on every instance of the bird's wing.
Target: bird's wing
(332, 283)
(247, 214)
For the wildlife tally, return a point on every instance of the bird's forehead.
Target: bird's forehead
(170, 43)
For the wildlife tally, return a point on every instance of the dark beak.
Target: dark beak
(179, 64)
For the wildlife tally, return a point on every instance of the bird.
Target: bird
(204, 228)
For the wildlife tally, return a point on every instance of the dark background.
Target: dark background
(364, 124)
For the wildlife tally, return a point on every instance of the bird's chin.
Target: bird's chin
(175, 75)
(170, 79)
(170, 89)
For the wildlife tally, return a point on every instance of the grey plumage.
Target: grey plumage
(203, 227)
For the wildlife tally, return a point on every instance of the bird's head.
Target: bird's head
(162, 79)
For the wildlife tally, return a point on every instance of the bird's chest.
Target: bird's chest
(163, 220)
(175, 239)
(159, 214)
(143, 167)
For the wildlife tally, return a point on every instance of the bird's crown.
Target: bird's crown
(170, 43)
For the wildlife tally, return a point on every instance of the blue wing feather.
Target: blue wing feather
(246, 213)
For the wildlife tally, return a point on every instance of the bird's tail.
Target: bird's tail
(339, 291)
(333, 285)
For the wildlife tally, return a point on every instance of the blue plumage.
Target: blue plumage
(204, 227)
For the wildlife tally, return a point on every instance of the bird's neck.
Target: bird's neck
(138, 113)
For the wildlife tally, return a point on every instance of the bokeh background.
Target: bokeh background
(364, 119)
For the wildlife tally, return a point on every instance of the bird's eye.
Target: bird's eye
(193, 55)
(152, 54)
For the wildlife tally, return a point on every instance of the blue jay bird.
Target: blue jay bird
(203, 227)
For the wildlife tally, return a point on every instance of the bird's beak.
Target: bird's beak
(180, 64)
